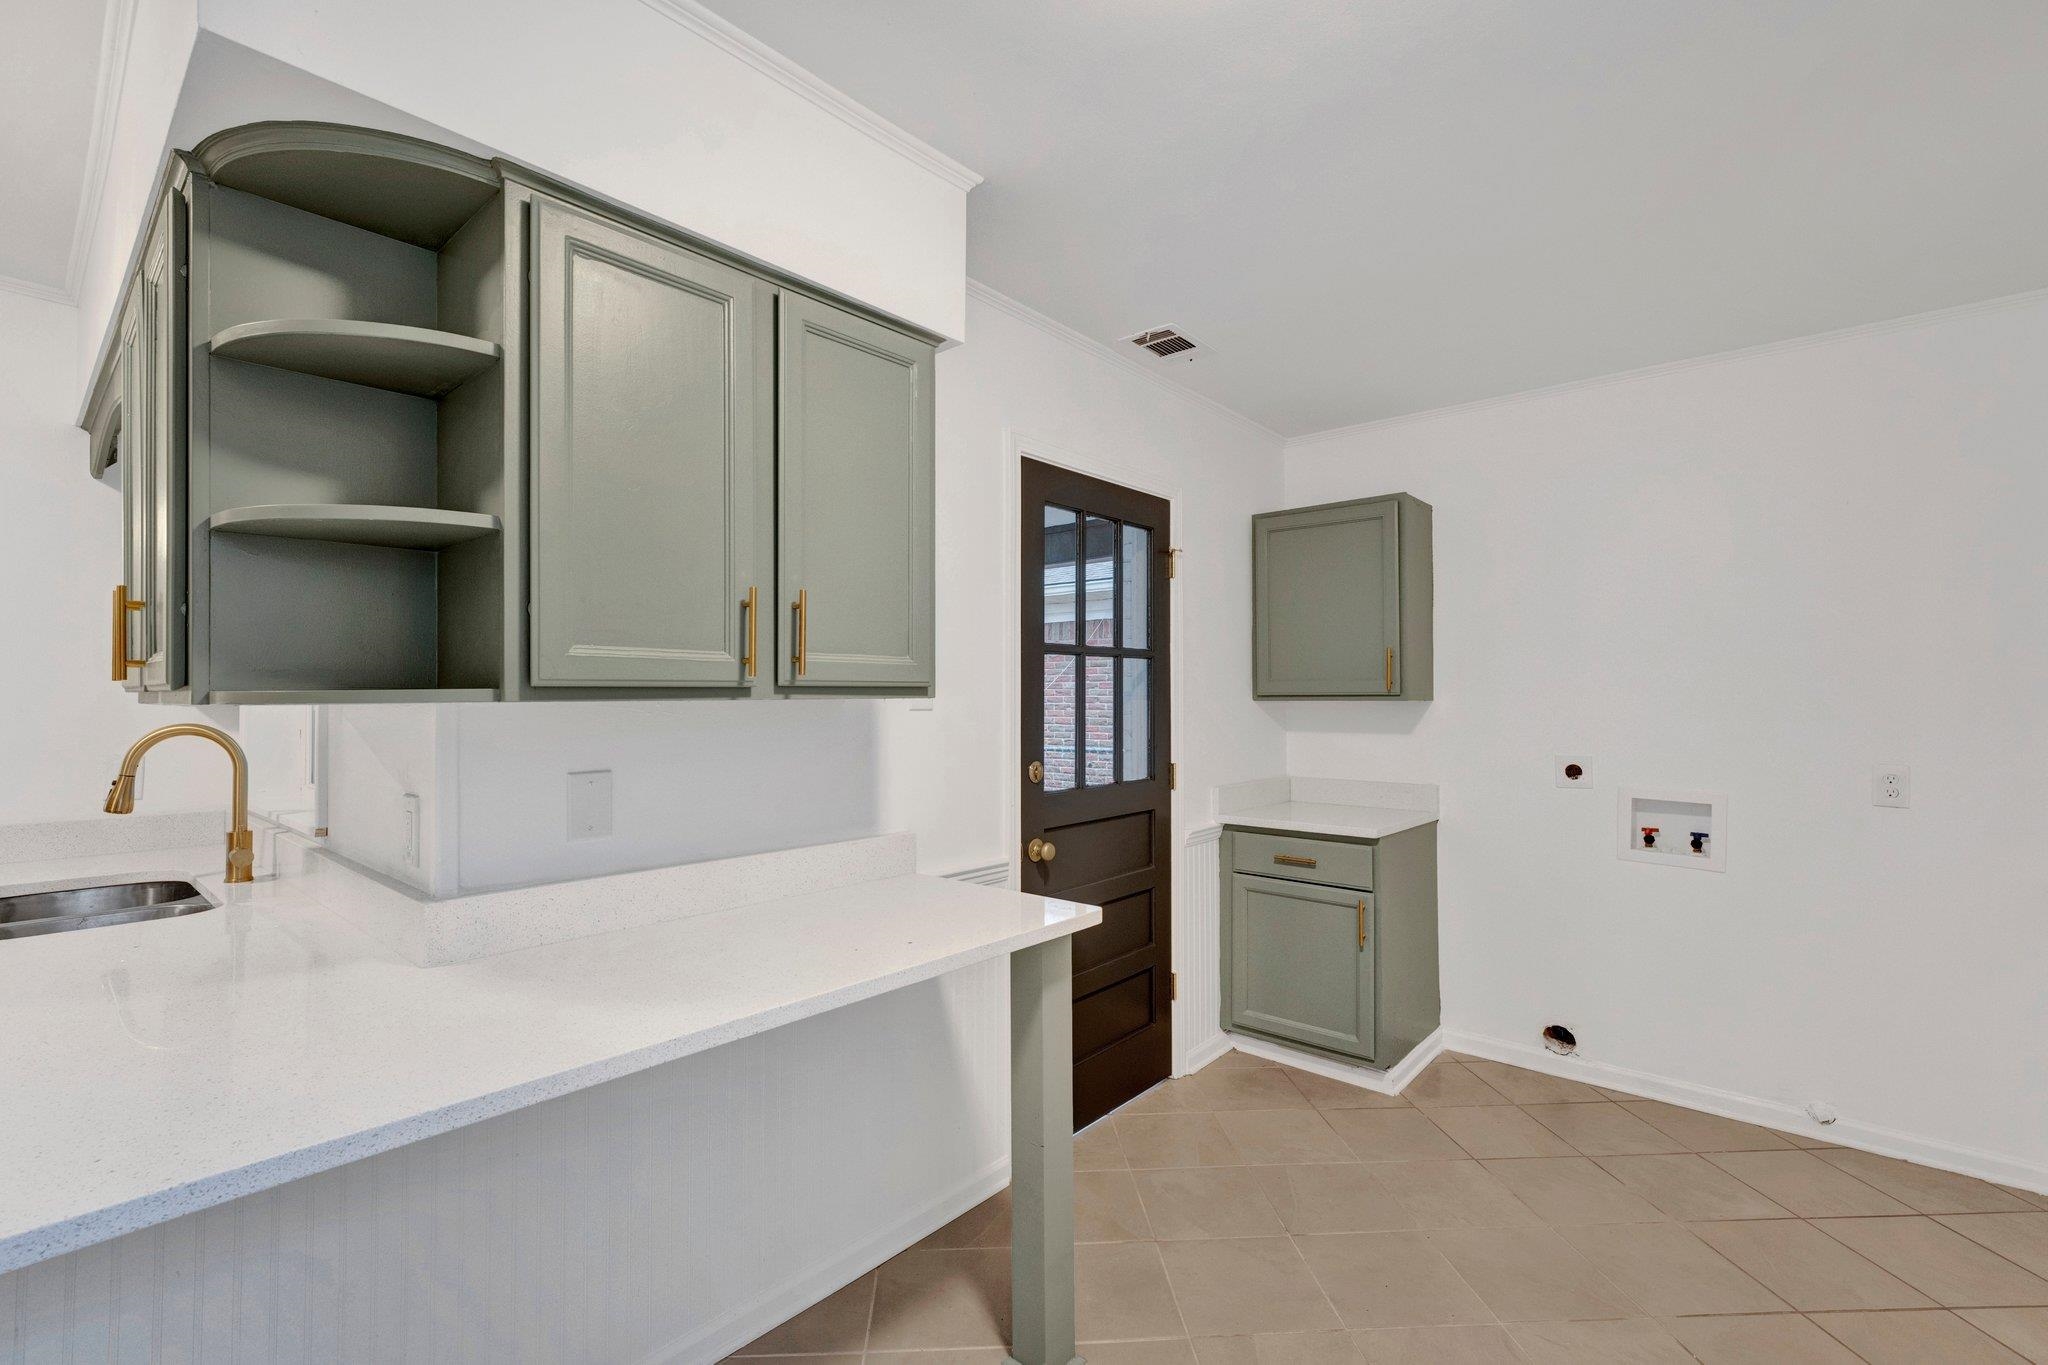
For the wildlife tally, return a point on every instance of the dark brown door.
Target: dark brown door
(1095, 806)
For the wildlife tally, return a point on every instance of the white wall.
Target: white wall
(1761, 577)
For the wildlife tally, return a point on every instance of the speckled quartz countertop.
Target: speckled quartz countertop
(152, 1069)
(1311, 817)
(1342, 808)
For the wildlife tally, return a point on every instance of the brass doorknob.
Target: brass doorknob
(1040, 851)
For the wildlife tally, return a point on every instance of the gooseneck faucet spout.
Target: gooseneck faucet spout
(241, 844)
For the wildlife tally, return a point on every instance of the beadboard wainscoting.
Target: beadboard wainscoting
(1198, 1014)
(670, 1216)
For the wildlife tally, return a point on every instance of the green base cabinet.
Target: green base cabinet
(1342, 600)
(1331, 944)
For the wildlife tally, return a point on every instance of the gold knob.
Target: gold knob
(1040, 851)
(1036, 771)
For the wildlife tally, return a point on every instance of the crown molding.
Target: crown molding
(1082, 342)
(48, 293)
(786, 73)
(1769, 348)
(99, 146)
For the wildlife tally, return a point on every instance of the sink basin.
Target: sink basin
(88, 907)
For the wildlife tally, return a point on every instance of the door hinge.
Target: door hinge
(1173, 777)
(1173, 985)
(1173, 563)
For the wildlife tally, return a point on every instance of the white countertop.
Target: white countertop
(152, 1069)
(1311, 817)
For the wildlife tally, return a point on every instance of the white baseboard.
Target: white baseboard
(1786, 1118)
(1207, 1051)
(720, 1338)
(1390, 1082)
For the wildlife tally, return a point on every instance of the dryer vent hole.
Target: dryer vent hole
(1560, 1040)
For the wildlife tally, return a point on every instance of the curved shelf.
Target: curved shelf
(386, 182)
(402, 528)
(383, 355)
(316, 696)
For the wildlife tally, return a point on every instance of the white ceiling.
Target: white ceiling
(49, 76)
(1369, 209)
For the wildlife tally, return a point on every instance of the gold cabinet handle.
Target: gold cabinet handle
(752, 606)
(803, 615)
(1390, 668)
(123, 604)
(1293, 860)
(1361, 926)
(1040, 851)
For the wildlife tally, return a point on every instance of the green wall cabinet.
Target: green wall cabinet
(1345, 969)
(1342, 600)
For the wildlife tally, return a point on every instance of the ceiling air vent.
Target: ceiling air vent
(1165, 343)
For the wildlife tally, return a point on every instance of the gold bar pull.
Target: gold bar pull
(752, 606)
(1361, 926)
(1390, 668)
(1293, 860)
(803, 615)
(123, 604)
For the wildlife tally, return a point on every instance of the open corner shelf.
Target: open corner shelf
(403, 528)
(382, 355)
(345, 696)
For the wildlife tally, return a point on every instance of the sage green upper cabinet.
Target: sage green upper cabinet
(149, 355)
(1342, 600)
(853, 501)
(649, 469)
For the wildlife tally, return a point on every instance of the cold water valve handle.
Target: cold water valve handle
(1699, 841)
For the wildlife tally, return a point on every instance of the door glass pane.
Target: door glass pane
(1059, 722)
(1098, 749)
(1098, 575)
(1137, 720)
(1060, 529)
(1137, 583)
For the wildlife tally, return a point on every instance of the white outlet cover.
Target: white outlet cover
(1563, 761)
(590, 804)
(1891, 784)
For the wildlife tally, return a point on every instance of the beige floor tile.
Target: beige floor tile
(1499, 1130)
(1942, 1264)
(1097, 1149)
(2039, 1201)
(1243, 1285)
(1352, 1198)
(1531, 1274)
(945, 1297)
(962, 1355)
(1445, 1084)
(1150, 1141)
(1234, 1059)
(1812, 1144)
(1922, 1188)
(1914, 1338)
(1782, 1339)
(1474, 1345)
(1454, 1194)
(1572, 1189)
(834, 1359)
(987, 1224)
(2019, 1237)
(836, 1323)
(1325, 1093)
(1107, 1209)
(1163, 1098)
(2024, 1330)
(1282, 1137)
(1607, 1092)
(1532, 1087)
(1689, 1187)
(1391, 1134)
(1698, 1132)
(1624, 1341)
(1601, 1129)
(1391, 1279)
(1806, 1185)
(1214, 1201)
(1668, 1271)
(1807, 1268)
(1278, 1348)
(1170, 1351)
(1266, 1087)
(1121, 1293)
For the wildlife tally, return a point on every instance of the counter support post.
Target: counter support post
(1042, 1154)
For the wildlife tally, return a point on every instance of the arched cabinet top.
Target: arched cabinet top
(399, 186)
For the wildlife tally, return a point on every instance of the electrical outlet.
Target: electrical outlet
(1891, 785)
(590, 804)
(412, 830)
(1572, 771)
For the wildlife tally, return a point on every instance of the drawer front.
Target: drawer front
(1302, 859)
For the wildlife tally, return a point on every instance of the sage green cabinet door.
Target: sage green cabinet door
(152, 456)
(647, 469)
(853, 501)
(1301, 963)
(1327, 601)
(131, 446)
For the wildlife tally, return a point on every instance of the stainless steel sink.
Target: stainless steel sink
(89, 907)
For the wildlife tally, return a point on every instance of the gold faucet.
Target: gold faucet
(241, 844)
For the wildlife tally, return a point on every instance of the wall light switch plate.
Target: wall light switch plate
(590, 804)
(1572, 770)
(1891, 784)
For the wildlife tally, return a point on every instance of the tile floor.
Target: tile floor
(1255, 1214)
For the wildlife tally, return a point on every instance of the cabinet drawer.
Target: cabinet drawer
(1302, 859)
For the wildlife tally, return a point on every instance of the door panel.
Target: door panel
(853, 500)
(1301, 962)
(647, 468)
(133, 459)
(163, 341)
(1327, 590)
(1094, 744)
